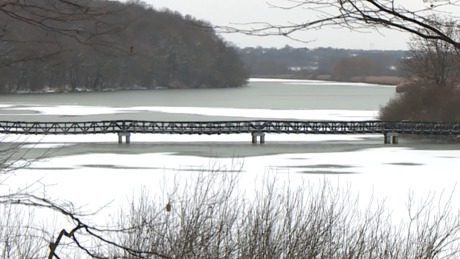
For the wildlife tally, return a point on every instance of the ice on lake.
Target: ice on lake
(94, 170)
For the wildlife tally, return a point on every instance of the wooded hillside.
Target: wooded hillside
(119, 46)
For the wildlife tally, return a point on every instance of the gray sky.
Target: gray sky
(234, 12)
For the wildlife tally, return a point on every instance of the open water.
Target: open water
(259, 94)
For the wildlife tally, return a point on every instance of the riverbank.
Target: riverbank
(381, 80)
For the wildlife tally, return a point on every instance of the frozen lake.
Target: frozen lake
(94, 170)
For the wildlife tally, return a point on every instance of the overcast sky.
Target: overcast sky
(234, 12)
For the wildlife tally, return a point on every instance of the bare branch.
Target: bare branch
(357, 15)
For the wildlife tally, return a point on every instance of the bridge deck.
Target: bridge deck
(228, 127)
(257, 128)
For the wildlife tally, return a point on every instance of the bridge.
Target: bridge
(257, 128)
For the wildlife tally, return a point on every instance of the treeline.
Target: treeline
(131, 46)
(321, 63)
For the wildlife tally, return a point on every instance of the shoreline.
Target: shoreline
(380, 80)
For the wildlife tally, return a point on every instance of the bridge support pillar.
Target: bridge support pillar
(386, 138)
(395, 138)
(261, 136)
(254, 138)
(391, 138)
(127, 136)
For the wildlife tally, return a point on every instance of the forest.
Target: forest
(125, 46)
(133, 46)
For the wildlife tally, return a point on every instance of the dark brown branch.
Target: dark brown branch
(30, 200)
(54, 246)
(355, 15)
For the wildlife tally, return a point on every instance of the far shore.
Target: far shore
(381, 80)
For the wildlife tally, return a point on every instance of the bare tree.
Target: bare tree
(210, 217)
(19, 237)
(407, 16)
(31, 30)
(97, 44)
(23, 234)
(433, 61)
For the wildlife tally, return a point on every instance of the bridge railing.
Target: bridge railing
(229, 127)
(422, 128)
(61, 128)
(189, 127)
